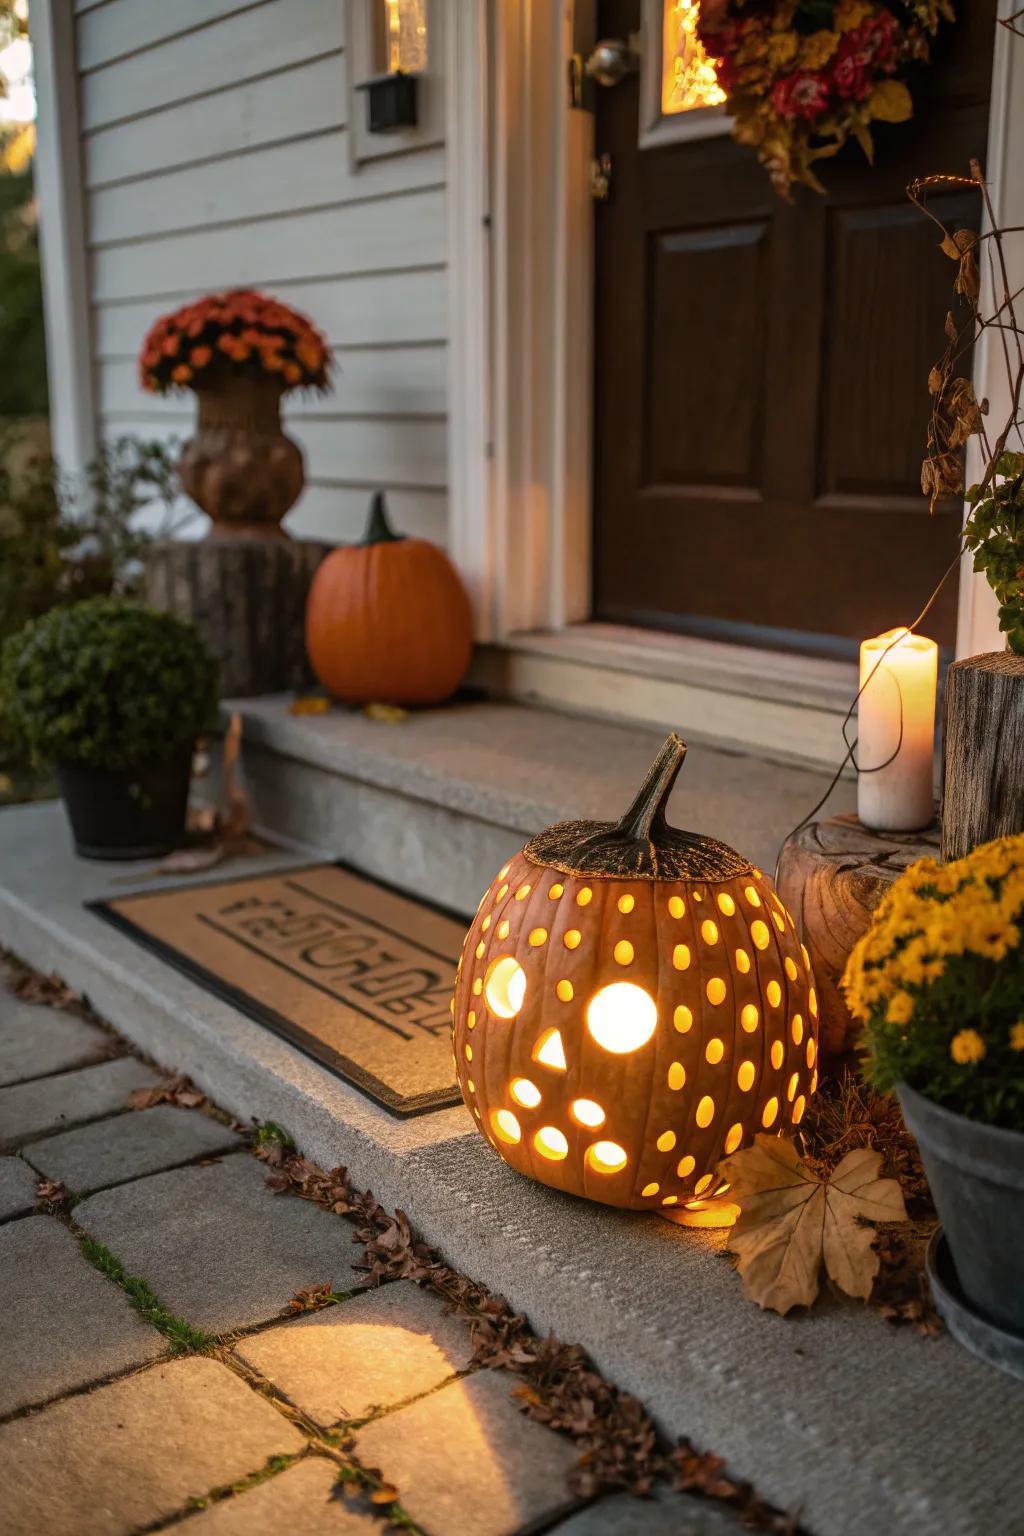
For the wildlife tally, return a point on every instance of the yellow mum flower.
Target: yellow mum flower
(900, 1009)
(966, 1047)
(1017, 1037)
(817, 49)
(850, 14)
(782, 48)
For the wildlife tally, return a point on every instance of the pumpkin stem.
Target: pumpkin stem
(378, 529)
(646, 816)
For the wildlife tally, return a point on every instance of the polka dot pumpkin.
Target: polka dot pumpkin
(633, 1004)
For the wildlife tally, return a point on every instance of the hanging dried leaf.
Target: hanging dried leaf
(791, 1221)
(968, 281)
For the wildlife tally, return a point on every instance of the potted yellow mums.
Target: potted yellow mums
(938, 981)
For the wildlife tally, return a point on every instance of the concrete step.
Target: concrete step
(437, 802)
(858, 1427)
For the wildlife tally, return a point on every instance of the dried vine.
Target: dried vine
(994, 530)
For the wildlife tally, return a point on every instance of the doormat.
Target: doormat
(355, 974)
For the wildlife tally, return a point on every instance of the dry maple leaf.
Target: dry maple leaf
(791, 1220)
(313, 1298)
(177, 1090)
(31, 987)
(52, 1192)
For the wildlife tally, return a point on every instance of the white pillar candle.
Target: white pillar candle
(898, 673)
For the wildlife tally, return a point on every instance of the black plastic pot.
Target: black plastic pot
(976, 1175)
(136, 813)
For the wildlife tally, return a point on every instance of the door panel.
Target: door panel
(760, 377)
(721, 444)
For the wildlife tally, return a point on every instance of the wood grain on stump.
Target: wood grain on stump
(983, 751)
(832, 876)
(248, 598)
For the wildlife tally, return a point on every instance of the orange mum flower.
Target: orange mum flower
(241, 329)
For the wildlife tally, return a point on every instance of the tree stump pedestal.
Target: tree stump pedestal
(982, 751)
(248, 598)
(832, 875)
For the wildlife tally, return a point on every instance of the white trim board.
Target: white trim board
(58, 176)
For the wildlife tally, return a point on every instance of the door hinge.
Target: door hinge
(601, 178)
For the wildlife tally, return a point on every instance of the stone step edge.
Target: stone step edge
(290, 737)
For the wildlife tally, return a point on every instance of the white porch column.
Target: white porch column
(62, 233)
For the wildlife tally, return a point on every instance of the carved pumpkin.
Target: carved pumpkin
(388, 620)
(633, 1004)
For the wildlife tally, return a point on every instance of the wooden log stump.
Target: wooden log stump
(983, 751)
(832, 876)
(248, 598)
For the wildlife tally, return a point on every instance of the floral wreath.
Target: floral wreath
(803, 76)
(242, 332)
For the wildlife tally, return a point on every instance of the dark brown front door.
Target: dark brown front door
(761, 402)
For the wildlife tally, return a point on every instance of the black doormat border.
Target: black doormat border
(402, 1106)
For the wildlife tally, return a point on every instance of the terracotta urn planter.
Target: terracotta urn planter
(239, 465)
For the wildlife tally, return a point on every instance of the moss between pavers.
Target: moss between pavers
(181, 1335)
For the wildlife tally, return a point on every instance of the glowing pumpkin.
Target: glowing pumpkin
(633, 1004)
(388, 620)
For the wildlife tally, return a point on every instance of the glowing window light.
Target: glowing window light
(622, 1017)
(405, 35)
(505, 987)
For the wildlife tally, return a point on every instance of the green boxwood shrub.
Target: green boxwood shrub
(106, 683)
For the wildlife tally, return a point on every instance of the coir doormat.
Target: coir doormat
(354, 973)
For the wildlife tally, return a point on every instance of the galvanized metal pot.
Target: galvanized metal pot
(976, 1174)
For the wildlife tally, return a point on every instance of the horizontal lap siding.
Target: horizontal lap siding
(215, 154)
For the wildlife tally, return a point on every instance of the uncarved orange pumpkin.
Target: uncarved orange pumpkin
(388, 620)
(632, 1004)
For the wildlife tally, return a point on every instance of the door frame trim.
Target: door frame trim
(521, 342)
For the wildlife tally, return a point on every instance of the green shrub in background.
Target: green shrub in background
(106, 683)
(22, 339)
(64, 538)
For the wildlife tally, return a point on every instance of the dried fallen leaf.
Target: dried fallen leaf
(176, 1090)
(389, 714)
(53, 1193)
(31, 987)
(190, 861)
(310, 704)
(313, 1298)
(385, 1494)
(791, 1221)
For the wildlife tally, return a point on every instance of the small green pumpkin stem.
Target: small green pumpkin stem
(378, 529)
(646, 816)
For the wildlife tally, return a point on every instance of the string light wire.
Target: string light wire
(851, 746)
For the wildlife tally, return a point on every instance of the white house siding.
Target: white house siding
(215, 154)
